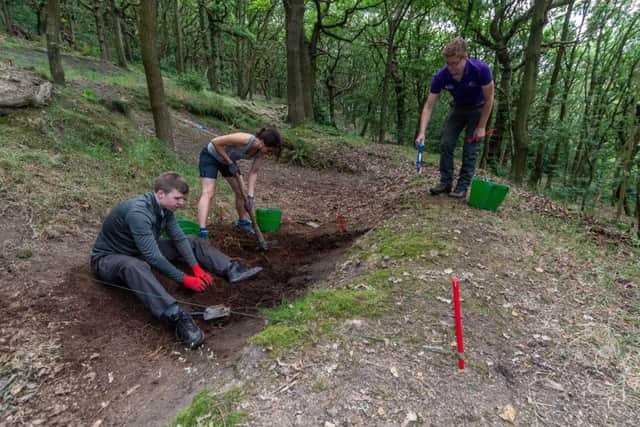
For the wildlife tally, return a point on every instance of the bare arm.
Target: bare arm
(253, 175)
(425, 117)
(481, 129)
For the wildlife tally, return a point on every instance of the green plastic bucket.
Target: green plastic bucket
(486, 194)
(268, 219)
(187, 227)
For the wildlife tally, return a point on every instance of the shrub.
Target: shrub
(191, 81)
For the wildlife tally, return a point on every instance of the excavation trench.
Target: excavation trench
(112, 354)
(98, 316)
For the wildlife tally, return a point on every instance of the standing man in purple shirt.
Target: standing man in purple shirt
(471, 85)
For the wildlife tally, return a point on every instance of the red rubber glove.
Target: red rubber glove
(202, 275)
(194, 283)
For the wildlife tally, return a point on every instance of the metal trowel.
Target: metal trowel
(213, 312)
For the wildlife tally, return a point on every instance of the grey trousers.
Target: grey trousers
(457, 120)
(137, 275)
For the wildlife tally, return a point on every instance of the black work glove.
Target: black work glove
(248, 204)
(234, 170)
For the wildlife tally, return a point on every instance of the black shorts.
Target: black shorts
(209, 166)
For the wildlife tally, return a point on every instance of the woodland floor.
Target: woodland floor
(541, 329)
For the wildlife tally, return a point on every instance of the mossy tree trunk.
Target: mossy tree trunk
(214, 51)
(394, 19)
(535, 177)
(151, 62)
(527, 90)
(117, 34)
(6, 16)
(53, 42)
(631, 143)
(177, 33)
(294, 16)
(96, 9)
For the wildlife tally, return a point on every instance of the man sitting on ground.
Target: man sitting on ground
(129, 244)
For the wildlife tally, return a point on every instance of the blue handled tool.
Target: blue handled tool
(419, 158)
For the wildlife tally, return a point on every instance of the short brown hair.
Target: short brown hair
(456, 47)
(170, 181)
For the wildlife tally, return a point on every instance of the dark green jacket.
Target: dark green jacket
(133, 228)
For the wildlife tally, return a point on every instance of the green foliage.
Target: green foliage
(379, 278)
(331, 303)
(298, 152)
(191, 81)
(296, 149)
(280, 337)
(212, 410)
(91, 95)
(406, 242)
(259, 5)
(296, 321)
(218, 107)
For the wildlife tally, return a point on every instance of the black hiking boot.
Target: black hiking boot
(245, 225)
(440, 188)
(187, 331)
(458, 194)
(237, 272)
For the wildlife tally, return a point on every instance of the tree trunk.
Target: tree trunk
(151, 62)
(398, 86)
(71, 19)
(6, 15)
(367, 119)
(102, 39)
(117, 35)
(40, 21)
(212, 72)
(129, 40)
(638, 205)
(633, 133)
(382, 130)
(331, 98)
(394, 18)
(503, 112)
(294, 14)
(308, 78)
(204, 33)
(249, 72)
(527, 90)
(164, 29)
(53, 41)
(535, 177)
(568, 83)
(177, 33)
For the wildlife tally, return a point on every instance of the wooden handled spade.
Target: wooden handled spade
(252, 214)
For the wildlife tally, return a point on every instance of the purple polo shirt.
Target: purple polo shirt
(468, 91)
